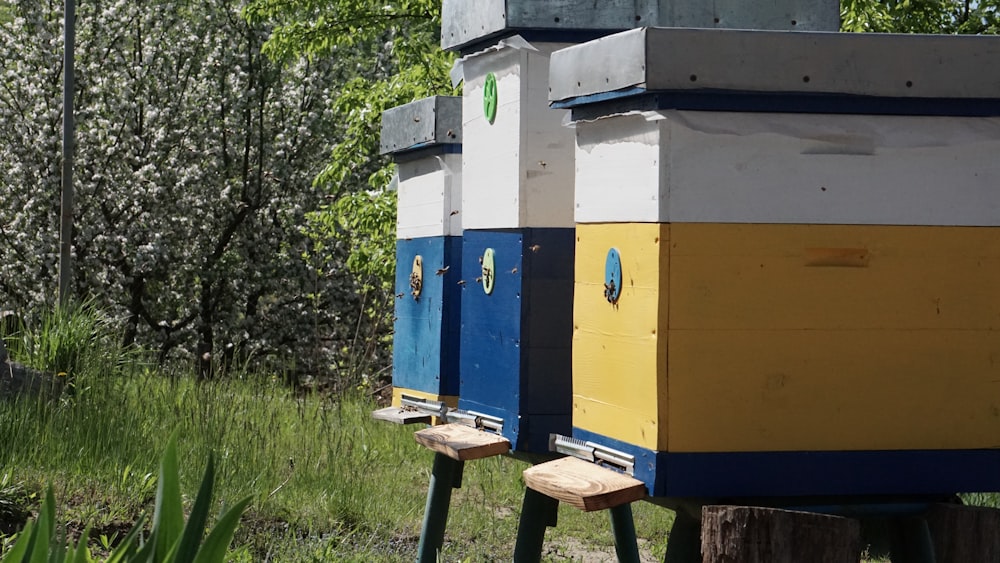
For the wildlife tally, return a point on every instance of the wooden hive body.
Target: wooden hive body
(518, 202)
(808, 303)
(518, 188)
(424, 138)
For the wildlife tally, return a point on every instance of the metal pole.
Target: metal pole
(445, 475)
(684, 544)
(538, 512)
(626, 545)
(66, 213)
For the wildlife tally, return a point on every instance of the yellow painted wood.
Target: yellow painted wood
(450, 400)
(398, 392)
(618, 350)
(795, 390)
(752, 277)
(790, 337)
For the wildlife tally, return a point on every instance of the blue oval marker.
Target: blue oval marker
(613, 276)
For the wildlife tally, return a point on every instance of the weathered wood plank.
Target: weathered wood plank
(398, 415)
(584, 485)
(462, 443)
(745, 534)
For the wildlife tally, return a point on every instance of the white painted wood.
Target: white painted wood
(789, 168)
(618, 172)
(517, 171)
(429, 197)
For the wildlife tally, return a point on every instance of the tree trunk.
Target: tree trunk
(741, 534)
(962, 534)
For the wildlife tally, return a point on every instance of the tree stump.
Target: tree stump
(743, 534)
(962, 534)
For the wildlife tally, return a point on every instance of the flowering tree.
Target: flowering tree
(405, 63)
(195, 161)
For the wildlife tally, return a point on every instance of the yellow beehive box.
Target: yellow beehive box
(785, 288)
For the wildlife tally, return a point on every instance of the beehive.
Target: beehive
(517, 206)
(788, 257)
(425, 139)
(518, 246)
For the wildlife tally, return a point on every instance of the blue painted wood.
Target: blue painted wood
(427, 330)
(516, 342)
(734, 475)
(609, 103)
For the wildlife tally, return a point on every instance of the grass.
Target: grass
(328, 482)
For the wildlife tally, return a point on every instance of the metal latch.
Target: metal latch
(592, 452)
(476, 420)
(426, 406)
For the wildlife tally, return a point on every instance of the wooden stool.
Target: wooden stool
(584, 485)
(453, 445)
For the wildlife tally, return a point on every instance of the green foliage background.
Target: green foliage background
(919, 16)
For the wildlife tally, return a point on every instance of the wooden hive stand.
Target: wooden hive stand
(453, 445)
(584, 485)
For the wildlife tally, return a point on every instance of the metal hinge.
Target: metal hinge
(594, 453)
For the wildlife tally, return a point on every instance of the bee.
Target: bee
(442, 271)
(535, 247)
(399, 295)
(456, 212)
(479, 279)
(461, 282)
(514, 271)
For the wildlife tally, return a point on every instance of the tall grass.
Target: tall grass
(329, 483)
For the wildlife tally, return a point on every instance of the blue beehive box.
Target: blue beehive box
(517, 331)
(424, 138)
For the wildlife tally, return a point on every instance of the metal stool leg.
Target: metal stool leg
(911, 541)
(445, 475)
(684, 545)
(537, 512)
(623, 526)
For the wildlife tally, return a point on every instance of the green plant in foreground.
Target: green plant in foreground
(171, 540)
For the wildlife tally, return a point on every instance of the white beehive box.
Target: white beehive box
(518, 169)
(646, 103)
(425, 139)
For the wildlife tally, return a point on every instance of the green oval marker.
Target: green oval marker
(489, 270)
(490, 98)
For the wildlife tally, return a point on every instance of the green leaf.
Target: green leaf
(217, 543)
(38, 553)
(168, 518)
(195, 528)
(82, 552)
(129, 544)
(19, 552)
